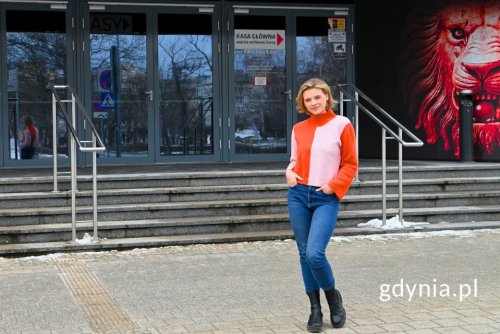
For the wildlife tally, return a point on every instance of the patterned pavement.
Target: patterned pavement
(419, 283)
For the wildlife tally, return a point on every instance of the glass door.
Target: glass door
(152, 81)
(273, 49)
(260, 95)
(36, 53)
(323, 47)
(121, 96)
(186, 72)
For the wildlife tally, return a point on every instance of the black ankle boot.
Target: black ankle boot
(337, 311)
(315, 323)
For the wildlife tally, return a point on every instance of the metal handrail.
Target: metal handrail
(97, 146)
(400, 129)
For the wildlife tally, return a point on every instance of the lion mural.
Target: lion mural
(447, 48)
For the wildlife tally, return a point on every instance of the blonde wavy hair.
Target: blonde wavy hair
(314, 83)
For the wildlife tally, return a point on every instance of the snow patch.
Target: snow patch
(86, 240)
(391, 224)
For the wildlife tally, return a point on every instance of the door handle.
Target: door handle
(289, 93)
(150, 94)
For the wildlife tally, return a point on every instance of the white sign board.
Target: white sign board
(336, 36)
(259, 39)
(12, 83)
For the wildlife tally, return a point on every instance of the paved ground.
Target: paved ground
(414, 284)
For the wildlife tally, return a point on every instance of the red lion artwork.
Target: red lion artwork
(448, 48)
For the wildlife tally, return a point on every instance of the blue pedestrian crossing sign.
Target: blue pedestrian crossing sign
(107, 101)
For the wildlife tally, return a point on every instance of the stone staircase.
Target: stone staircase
(151, 207)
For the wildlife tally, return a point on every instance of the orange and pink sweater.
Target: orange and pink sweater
(324, 152)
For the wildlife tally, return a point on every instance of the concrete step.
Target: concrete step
(144, 195)
(163, 203)
(136, 228)
(145, 228)
(236, 207)
(421, 170)
(437, 185)
(20, 216)
(422, 200)
(364, 191)
(140, 179)
(37, 248)
(425, 214)
(150, 180)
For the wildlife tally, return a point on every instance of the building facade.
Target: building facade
(204, 81)
(165, 81)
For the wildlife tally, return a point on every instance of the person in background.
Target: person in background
(323, 164)
(30, 139)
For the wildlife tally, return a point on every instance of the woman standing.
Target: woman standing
(322, 166)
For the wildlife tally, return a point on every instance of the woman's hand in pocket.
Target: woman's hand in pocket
(325, 189)
(292, 177)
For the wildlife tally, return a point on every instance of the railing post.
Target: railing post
(73, 122)
(54, 140)
(400, 174)
(94, 184)
(73, 171)
(384, 179)
(73, 191)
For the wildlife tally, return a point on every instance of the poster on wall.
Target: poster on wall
(465, 56)
(429, 52)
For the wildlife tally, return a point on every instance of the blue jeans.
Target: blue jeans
(313, 216)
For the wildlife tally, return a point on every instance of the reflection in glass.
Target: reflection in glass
(36, 60)
(259, 86)
(316, 56)
(118, 65)
(186, 84)
(260, 105)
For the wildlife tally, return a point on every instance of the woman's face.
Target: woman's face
(315, 101)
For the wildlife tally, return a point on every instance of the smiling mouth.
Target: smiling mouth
(486, 108)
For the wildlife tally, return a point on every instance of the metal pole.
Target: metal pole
(73, 122)
(384, 195)
(73, 191)
(73, 174)
(400, 179)
(94, 184)
(54, 140)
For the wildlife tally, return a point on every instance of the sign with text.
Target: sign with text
(259, 39)
(113, 24)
